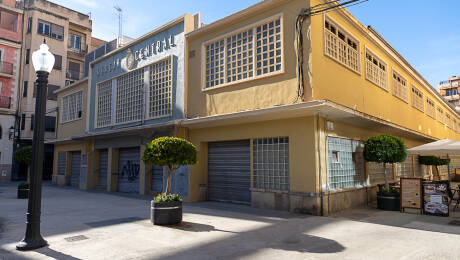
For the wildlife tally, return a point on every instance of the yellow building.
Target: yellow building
(268, 140)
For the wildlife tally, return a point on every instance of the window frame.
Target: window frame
(440, 114)
(429, 100)
(72, 47)
(393, 70)
(234, 32)
(413, 87)
(368, 50)
(44, 23)
(61, 121)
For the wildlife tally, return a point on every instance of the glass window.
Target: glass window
(160, 92)
(271, 163)
(75, 42)
(104, 104)
(71, 107)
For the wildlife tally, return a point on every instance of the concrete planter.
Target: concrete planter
(166, 213)
(23, 193)
(388, 201)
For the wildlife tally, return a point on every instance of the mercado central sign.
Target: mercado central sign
(140, 53)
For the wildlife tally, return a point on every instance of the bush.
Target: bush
(23, 185)
(163, 197)
(432, 160)
(23, 155)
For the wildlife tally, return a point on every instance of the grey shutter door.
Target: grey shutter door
(157, 179)
(75, 169)
(103, 161)
(61, 163)
(128, 171)
(229, 171)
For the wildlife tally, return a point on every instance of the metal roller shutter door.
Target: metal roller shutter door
(75, 169)
(128, 171)
(229, 171)
(157, 179)
(61, 163)
(103, 160)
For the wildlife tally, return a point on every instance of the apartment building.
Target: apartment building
(68, 34)
(10, 69)
(449, 89)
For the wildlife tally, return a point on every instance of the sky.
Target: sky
(426, 33)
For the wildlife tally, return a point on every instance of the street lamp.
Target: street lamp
(43, 62)
(11, 133)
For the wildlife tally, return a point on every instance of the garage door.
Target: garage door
(75, 169)
(103, 160)
(61, 163)
(229, 173)
(157, 179)
(128, 171)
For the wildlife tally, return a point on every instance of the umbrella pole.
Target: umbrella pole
(448, 170)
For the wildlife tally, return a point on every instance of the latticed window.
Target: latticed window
(104, 104)
(400, 87)
(376, 173)
(341, 46)
(346, 163)
(254, 52)
(417, 98)
(440, 115)
(160, 92)
(404, 169)
(71, 107)
(447, 121)
(376, 70)
(271, 163)
(130, 97)
(430, 110)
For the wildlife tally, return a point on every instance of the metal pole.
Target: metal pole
(448, 170)
(33, 238)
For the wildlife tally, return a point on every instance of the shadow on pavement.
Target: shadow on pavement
(197, 227)
(55, 254)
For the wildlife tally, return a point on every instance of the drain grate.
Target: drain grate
(76, 238)
(454, 223)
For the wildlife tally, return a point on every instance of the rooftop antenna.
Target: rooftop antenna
(120, 24)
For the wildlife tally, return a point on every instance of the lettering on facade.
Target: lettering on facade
(138, 54)
(131, 170)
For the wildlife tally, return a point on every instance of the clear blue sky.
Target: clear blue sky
(426, 33)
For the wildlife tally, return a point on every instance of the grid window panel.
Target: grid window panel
(404, 169)
(215, 57)
(240, 56)
(400, 87)
(376, 173)
(104, 104)
(346, 163)
(271, 163)
(341, 46)
(130, 97)
(376, 71)
(160, 92)
(71, 107)
(268, 47)
(417, 99)
(430, 110)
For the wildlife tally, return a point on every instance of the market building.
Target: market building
(284, 129)
(133, 93)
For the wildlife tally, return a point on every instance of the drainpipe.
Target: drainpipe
(319, 166)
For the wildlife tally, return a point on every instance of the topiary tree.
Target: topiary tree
(385, 149)
(23, 156)
(172, 152)
(434, 161)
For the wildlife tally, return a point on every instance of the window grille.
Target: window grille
(71, 107)
(104, 103)
(440, 115)
(346, 163)
(130, 97)
(404, 169)
(430, 110)
(248, 54)
(417, 99)
(400, 87)
(376, 70)
(341, 46)
(160, 93)
(271, 163)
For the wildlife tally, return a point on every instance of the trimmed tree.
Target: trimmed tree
(171, 152)
(23, 156)
(385, 149)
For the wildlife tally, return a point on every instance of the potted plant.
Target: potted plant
(172, 152)
(433, 161)
(386, 149)
(24, 156)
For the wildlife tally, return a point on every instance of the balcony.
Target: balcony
(73, 74)
(5, 102)
(452, 97)
(448, 85)
(79, 52)
(6, 68)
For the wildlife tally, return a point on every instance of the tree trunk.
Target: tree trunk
(168, 183)
(387, 186)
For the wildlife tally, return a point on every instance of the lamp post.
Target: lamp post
(43, 62)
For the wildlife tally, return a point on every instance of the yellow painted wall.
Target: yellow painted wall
(302, 158)
(76, 127)
(335, 82)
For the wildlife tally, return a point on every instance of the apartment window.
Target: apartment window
(73, 70)
(430, 110)
(50, 123)
(341, 46)
(57, 32)
(104, 104)
(129, 97)
(447, 121)
(440, 115)
(400, 87)
(256, 51)
(75, 42)
(271, 163)
(32, 120)
(8, 20)
(43, 28)
(71, 107)
(376, 70)
(29, 25)
(23, 121)
(160, 92)
(27, 56)
(417, 98)
(24, 91)
(57, 62)
(51, 94)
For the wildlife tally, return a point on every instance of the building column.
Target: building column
(112, 169)
(92, 157)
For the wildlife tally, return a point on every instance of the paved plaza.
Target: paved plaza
(100, 225)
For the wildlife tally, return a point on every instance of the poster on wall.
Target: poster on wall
(436, 199)
(411, 193)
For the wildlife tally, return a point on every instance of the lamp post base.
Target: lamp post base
(31, 244)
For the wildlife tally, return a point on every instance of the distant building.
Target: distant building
(10, 68)
(449, 90)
